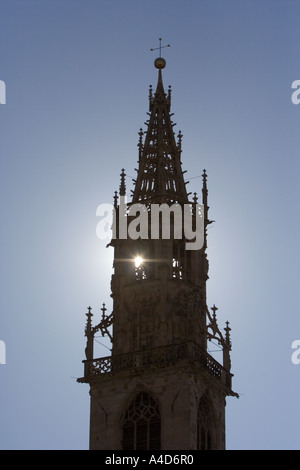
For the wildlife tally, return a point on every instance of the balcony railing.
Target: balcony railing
(157, 357)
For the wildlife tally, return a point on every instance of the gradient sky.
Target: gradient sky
(77, 74)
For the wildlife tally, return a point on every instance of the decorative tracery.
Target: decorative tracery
(214, 333)
(141, 426)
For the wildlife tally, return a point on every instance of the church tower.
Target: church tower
(161, 388)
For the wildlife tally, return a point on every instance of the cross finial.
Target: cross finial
(160, 47)
(214, 309)
(103, 309)
(89, 311)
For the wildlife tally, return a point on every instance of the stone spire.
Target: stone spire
(159, 175)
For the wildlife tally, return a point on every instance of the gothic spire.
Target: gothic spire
(160, 176)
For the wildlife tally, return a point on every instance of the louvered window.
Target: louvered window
(141, 427)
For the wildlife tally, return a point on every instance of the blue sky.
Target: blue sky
(77, 75)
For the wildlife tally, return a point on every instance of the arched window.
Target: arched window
(141, 427)
(206, 426)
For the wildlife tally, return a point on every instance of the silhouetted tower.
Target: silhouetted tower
(160, 388)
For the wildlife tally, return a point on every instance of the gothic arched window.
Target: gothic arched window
(206, 428)
(141, 427)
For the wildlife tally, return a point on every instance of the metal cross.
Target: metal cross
(160, 47)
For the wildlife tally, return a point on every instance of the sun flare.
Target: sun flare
(138, 261)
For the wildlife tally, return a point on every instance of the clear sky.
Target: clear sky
(77, 74)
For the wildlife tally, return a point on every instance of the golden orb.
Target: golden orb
(160, 63)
